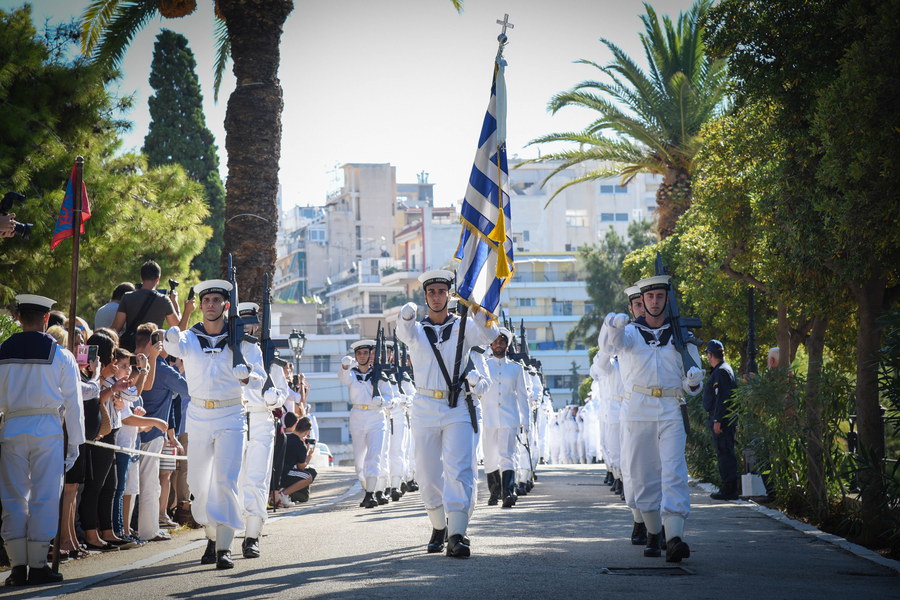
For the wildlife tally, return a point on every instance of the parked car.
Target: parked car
(322, 458)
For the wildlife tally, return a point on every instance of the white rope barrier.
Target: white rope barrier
(135, 451)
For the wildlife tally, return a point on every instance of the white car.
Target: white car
(322, 457)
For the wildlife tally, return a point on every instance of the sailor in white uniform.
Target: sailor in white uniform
(368, 426)
(215, 423)
(654, 438)
(444, 434)
(40, 387)
(256, 472)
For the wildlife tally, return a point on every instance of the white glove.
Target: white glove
(619, 321)
(408, 312)
(271, 396)
(241, 372)
(347, 362)
(473, 378)
(71, 456)
(378, 401)
(173, 335)
(694, 376)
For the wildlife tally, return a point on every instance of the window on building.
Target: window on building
(376, 303)
(358, 238)
(613, 189)
(321, 363)
(330, 435)
(576, 218)
(562, 309)
(520, 302)
(526, 236)
(316, 235)
(620, 217)
(607, 217)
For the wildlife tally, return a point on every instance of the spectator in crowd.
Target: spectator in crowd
(774, 358)
(158, 403)
(57, 318)
(106, 314)
(296, 475)
(38, 380)
(145, 305)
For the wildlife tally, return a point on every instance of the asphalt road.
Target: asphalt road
(567, 539)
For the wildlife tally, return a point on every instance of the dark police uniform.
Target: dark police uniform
(717, 398)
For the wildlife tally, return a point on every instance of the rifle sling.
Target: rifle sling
(432, 339)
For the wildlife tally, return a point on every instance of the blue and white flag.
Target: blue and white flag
(485, 251)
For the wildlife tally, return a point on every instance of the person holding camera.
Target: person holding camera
(39, 390)
(296, 475)
(7, 225)
(146, 305)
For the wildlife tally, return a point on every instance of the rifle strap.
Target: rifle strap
(432, 341)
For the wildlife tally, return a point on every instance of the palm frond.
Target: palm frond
(128, 20)
(94, 20)
(223, 53)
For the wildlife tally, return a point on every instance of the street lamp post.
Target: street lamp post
(297, 340)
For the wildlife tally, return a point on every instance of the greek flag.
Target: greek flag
(485, 251)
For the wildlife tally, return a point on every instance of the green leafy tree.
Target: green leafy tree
(655, 117)
(55, 109)
(605, 286)
(178, 134)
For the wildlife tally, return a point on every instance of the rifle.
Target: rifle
(265, 335)
(681, 335)
(235, 322)
(376, 365)
(523, 345)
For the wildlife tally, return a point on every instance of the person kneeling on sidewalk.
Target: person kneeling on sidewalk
(296, 476)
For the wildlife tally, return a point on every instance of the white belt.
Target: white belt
(366, 406)
(658, 392)
(206, 403)
(439, 394)
(27, 412)
(258, 408)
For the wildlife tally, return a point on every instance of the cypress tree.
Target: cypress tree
(178, 134)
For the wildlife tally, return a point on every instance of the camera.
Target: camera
(156, 337)
(311, 441)
(23, 230)
(133, 361)
(85, 355)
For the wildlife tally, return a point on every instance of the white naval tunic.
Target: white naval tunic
(38, 380)
(368, 425)
(398, 443)
(506, 412)
(443, 436)
(216, 434)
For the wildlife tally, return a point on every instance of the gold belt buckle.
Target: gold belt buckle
(656, 392)
(438, 394)
(364, 406)
(210, 404)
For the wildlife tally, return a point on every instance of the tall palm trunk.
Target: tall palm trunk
(253, 138)
(673, 198)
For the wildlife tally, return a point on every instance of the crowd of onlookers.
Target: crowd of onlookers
(128, 485)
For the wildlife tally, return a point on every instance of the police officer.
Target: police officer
(368, 426)
(38, 379)
(655, 437)
(717, 398)
(216, 423)
(444, 436)
(260, 444)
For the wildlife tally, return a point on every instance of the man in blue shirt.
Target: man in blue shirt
(158, 403)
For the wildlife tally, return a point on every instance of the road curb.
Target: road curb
(808, 529)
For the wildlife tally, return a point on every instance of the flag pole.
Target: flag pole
(77, 202)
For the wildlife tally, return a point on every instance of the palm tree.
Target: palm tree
(249, 31)
(655, 117)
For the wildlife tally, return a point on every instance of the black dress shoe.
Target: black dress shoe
(436, 543)
(18, 575)
(395, 494)
(457, 548)
(209, 555)
(379, 498)
(412, 485)
(250, 548)
(652, 549)
(368, 501)
(639, 534)
(42, 575)
(403, 488)
(529, 485)
(720, 495)
(521, 490)
(662, 538)
(677, 550)
(223, 559)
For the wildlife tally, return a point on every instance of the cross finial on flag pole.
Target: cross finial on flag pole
(505, 22)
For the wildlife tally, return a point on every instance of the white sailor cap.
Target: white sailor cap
(436, 276)
(632, 292)
(34, 302)
(248, 308)
(657, 282)
(362, 344)
(213, 286)
(507, 334)
(388, 343)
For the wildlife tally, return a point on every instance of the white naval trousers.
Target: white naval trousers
(444, 451)
(256, 472)
(148, 496)
(627, 484)
(367, 434)
(499, 445)
(31, 480)
(399, 450)
(654, 458)
(214, 455)
(613, 458)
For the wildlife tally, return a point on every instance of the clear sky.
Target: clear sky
(399, 81)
